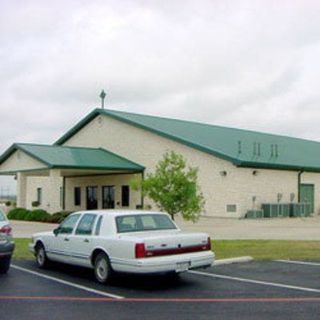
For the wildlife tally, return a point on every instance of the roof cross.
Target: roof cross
(102, 96)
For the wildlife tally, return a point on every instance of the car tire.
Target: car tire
(102, 268)
(5, 264)
(41, 256)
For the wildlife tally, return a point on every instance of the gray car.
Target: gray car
(6, 243)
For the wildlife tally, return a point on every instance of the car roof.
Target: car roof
(118, 212)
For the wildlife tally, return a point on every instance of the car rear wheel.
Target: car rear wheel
(5, 264)
(102, 268)
(41, 256)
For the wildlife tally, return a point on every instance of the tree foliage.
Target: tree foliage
(173, 187)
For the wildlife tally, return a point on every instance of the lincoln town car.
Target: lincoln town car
(108, 241)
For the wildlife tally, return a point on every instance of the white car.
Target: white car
(123, 241)
(6, 243)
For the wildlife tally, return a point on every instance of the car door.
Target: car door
(81, 241)
(60, 245)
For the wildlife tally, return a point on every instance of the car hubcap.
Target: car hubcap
(102, 269)
(40, 257)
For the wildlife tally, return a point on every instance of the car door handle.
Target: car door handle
(85, 240)
(66, 239)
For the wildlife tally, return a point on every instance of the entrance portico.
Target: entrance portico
(71, 178)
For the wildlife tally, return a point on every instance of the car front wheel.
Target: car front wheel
(102, 268)
(5, 264)
(41, 256)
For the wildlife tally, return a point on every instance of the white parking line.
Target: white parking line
(265, 283)
(299, 262)
(70, 284)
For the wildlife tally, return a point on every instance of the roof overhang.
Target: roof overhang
(38, 160)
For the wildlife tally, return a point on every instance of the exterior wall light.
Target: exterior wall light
(279, 197)
(223, 173)
(255, 172)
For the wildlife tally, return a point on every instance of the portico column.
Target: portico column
(54, 195)
(21, 190)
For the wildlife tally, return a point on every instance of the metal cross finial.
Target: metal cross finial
(102, 96)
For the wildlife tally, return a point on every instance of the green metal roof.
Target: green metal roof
(74, 157)
(241, 147)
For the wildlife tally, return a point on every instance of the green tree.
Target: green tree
(173, 187)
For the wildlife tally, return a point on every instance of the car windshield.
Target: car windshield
(144, 222)
(2, 216)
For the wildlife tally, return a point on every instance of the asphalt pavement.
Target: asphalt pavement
(256, 290)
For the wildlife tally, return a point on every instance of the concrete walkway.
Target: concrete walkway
(271, 229)
(220, 228)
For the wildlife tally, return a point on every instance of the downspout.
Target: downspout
(299, 183)
(63, 193)
(142, 197)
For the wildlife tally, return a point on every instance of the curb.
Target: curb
(233, 260)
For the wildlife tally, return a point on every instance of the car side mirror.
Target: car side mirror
(56, 231)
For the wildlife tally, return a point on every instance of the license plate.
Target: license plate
(182, 266)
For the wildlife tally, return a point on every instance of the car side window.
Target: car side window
(85, 225)
(98, 226)
(66, 227)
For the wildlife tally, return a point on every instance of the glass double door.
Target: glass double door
(108, 194)
(108, 197)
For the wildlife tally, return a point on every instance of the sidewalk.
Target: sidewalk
(266, 229)
(219, 228)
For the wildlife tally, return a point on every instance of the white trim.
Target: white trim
(299, 262)
(70, 284)
(265, 283)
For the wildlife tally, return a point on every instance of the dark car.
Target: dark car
(6, 243)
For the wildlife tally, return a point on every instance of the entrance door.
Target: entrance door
(307, 194)
(108, 197)
(92, 199)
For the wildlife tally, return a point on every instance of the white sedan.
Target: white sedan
(123, 241)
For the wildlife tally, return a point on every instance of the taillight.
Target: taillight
(140, 250)
(6, 229)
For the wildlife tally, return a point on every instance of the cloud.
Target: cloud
(248, 64)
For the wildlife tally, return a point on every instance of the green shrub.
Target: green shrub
(18, 214)
(58, 217)
(35, 203)
(8, 203)
(38, 215)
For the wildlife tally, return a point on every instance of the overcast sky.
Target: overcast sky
(246, 64)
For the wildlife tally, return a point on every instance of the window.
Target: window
(231, 208)
(68, 224)
(85, 225)
(133, 223)
(125, 196)
(77, 196)
(39, 195)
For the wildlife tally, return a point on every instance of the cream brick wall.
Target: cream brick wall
(20, 161)
(146, 148)
(50, 186)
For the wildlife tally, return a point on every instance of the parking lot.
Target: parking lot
(255, 290)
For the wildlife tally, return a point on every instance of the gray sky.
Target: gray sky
(247, 64)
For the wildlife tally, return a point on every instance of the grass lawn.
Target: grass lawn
(268, 249)
(258, 249)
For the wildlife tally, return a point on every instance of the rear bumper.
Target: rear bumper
(164, 264)
(6, 250)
